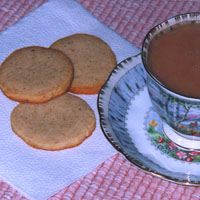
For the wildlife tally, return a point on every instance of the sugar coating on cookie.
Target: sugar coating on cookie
(92, 58)
(35, 74)
(63, 122)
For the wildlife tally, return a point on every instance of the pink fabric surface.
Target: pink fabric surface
(133, 18)
(12, 11)
(116, 178)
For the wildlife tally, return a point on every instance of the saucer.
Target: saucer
(131, 125)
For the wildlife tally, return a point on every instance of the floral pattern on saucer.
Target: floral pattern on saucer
(160, 141)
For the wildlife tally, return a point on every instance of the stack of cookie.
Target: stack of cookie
(48, 116)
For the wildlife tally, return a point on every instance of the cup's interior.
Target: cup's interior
(160, 29)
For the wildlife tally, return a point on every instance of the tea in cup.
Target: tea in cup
(171, 57)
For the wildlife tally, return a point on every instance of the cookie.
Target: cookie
(92, 58)
(35, 74)
(63, 122)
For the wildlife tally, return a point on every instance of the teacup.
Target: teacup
(180, 113)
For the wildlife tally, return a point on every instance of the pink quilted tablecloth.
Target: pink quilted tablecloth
(116, 178)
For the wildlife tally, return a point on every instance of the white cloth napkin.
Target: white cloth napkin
(38, 174)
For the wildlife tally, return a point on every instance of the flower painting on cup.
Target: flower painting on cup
(161, 142)
(181, 115)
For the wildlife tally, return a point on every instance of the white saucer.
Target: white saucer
(135, 129)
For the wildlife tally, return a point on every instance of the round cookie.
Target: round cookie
(92, 58)
(63, 122)
(35, 74)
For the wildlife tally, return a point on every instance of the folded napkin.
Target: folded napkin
(38, 174)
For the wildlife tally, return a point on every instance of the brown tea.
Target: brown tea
(174, 59)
